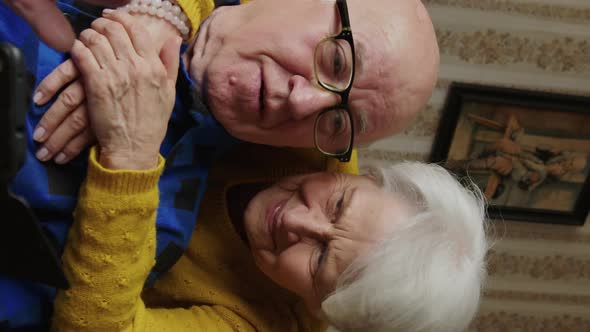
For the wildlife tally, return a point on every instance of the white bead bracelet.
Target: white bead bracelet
(163, 9)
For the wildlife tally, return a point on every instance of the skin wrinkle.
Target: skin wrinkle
(333, 250)
(374, 112)
(411, 97)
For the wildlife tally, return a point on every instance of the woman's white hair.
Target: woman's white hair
(427, 276)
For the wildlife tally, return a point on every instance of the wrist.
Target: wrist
(127, 161)
(159, 30)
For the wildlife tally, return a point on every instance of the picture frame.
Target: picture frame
(527, 151)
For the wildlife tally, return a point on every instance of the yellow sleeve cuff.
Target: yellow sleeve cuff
(122, 181)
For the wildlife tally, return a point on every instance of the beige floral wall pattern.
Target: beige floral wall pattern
(559, 54)
(551, 10)
(548, 267)
(506, 321)
(539, 274)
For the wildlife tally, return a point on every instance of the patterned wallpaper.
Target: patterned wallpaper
(539, 274)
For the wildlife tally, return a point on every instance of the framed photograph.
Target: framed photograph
(528, 151)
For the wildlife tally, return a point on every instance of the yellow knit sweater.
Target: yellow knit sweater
(215, 286)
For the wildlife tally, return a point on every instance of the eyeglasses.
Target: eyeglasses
(334, 62)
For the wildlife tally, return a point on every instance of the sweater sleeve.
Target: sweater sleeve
(196, 11)
(109, 253)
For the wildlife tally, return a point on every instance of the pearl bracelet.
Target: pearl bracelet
(163, 9)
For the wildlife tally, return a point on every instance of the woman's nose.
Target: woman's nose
(303, 221)
(306, 98)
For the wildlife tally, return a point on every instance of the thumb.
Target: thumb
(170, 56)
(47, 21)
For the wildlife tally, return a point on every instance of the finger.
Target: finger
(84, 60)
(47, 21)
(139, 35)
(67, 102)
(55, 81)
(99, 46)
(75, 147)
(73, 125)
(170, 58)
(117, 36)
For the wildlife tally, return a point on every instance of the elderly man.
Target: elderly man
(271, 95)
(264, 82)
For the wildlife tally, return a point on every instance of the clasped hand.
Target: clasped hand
(129, 90)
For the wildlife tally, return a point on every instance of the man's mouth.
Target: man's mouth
(261, 95)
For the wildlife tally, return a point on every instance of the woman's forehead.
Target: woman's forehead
(372, 215)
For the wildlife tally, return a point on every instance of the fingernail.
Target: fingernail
(38, 133)
(37, 97)
(42, 153)
(60, 159)
(107, 11)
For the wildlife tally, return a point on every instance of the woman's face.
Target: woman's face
(305, 230)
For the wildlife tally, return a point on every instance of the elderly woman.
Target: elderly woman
(400, 248)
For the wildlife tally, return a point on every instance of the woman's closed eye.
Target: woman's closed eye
(321, 256)
(338, 207)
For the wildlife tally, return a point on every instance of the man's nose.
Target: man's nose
(302, 221)
(307, 98)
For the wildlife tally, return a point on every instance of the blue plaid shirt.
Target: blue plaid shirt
(193, 141)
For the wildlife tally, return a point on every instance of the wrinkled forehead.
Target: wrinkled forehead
(371, 99)
(397, 64)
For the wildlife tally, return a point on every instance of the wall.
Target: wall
(539, 274)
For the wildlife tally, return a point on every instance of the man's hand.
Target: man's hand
(64, 130)
(48, 21)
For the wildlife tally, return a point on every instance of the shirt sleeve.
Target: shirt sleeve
(109, 253)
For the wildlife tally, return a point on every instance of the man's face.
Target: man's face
(253, 65)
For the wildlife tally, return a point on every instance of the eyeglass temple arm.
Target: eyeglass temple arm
(343, 9)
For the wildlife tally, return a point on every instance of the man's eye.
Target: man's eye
(334, 124)
(337, 124)
(338, 62)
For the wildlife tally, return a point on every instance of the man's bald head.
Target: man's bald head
(399, 44)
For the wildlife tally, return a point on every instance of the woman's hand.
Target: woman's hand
(130, 89)
(63, 130)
